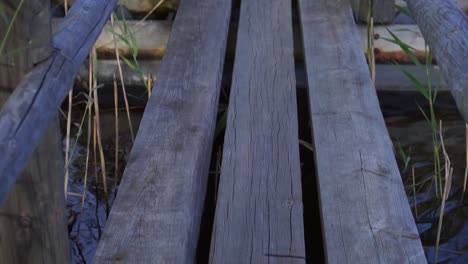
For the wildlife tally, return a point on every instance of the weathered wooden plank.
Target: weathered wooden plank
(26, 115)
(383, 10)
(445, 28)
(152, 39)
(107, 69)
(365, 213)
(139, 5)
(157, 213)
(259, 206)
(462, 4)
(32, 219)
(151, 36)
(391, 78)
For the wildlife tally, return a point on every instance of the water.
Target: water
(408, 128)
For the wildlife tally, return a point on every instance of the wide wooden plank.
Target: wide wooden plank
(157, 213)
(259, 206)
(32, 219)
(26, 115)
(445, 27)
(365, 213)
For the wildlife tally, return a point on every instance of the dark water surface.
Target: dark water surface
(409, 129)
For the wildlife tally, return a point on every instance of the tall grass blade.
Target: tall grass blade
(404, 10)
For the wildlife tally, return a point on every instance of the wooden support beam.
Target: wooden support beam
(152, 39)
(259, 215)
(28, 112)
(139, 6)
(32, 219)
(365, 212)
(151, 36)
(107, 69)
(445, 28)
(157, 213)
(462, 4)
(383, 10)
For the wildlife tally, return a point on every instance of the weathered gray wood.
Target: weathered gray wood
(445, 28)
(151, 36)
(139, 5)
(391, 78)
(107, 69)
(259, 206)
(383, 10)
(152, 39)
(365, 213)
(462, 4)
(157, 213)
(26, 115)
(32, 219)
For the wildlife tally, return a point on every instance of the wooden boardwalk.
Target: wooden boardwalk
(259, 218)
(259, 215)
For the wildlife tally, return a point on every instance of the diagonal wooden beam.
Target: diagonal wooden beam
(29, 110)
(445, 28)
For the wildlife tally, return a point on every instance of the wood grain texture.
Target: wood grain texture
(26, 115)
(139, 6)
(32, 219)
(259, 206)
(157, 213)
(365, 213)
(445, 28)
(151, 36)
(383, 10)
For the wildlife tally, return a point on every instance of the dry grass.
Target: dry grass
(122, 83)
(448, 169)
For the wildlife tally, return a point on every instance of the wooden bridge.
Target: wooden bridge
(157, 214)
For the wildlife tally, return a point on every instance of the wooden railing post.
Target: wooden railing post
(32, 220)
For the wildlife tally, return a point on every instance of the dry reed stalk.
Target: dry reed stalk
(370, 40)
(67, 142)
(88, 142)
(150, 84)
(446, 191)
(116, 104)
(127, 108)
(98, 122)
(68, 132)
(95, 152)
(150, 12)
(466, 166)
(414, 193)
